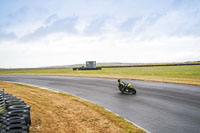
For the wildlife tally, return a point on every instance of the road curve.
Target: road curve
(157, 107)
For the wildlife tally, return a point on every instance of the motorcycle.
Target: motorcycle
(129, 89)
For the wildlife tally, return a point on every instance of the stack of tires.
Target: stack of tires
(16, 118)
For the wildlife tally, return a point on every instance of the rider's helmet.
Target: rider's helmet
(119, 80)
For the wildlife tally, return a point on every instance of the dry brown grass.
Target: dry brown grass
(54, 112)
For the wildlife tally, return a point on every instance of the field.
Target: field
(65, 113)
(54, 112)
(188, 74)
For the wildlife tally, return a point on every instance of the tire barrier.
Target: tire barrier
(2, 100)
(15, 114)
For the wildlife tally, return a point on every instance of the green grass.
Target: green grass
(3, 111)
(177, 74)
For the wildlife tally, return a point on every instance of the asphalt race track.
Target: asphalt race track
(157, 107)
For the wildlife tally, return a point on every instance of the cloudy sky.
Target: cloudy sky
(35, 33)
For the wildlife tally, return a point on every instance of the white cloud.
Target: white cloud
(67, 32)
(62, 48)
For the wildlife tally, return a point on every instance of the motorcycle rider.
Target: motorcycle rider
(123, 84)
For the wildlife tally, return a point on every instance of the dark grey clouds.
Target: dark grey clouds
(37, 19)
(156, 24)
(151, 30)
(66, 25)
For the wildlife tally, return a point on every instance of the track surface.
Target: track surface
(157, 107)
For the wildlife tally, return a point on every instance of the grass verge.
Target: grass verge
(55, 112)
(189, 74)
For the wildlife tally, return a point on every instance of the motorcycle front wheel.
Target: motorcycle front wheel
(133, 91)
